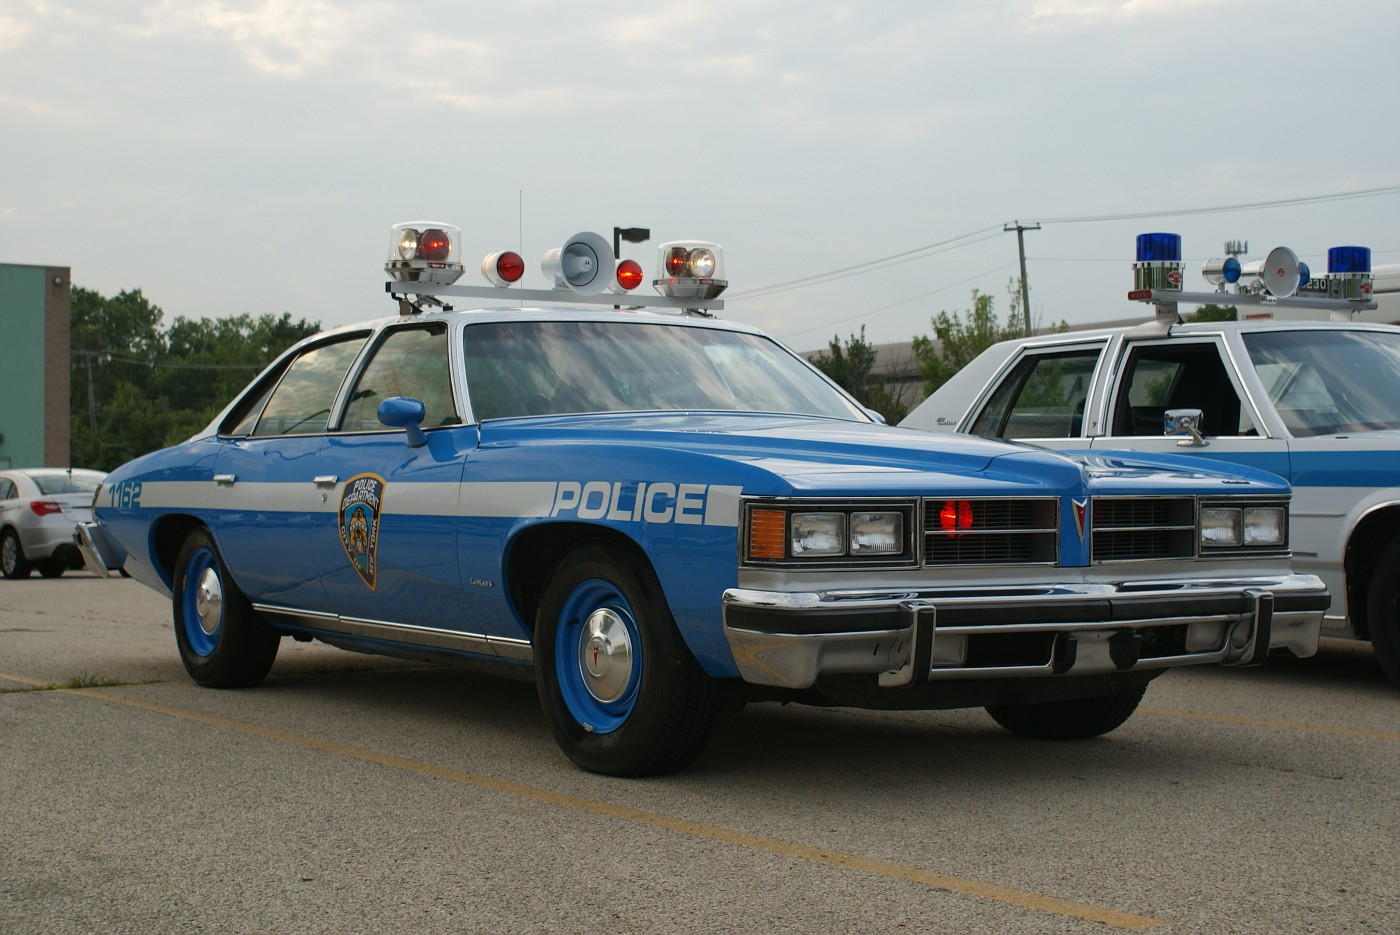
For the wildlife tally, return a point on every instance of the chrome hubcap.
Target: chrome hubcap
(209, 601)
(605, 655)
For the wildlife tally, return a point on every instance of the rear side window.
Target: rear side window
(299, 402)
(1043, 397)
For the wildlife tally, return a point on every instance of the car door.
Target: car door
(386, 535)
(1197, 372)
(265, 491)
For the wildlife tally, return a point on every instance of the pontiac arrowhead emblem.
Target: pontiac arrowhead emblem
(1081, 510)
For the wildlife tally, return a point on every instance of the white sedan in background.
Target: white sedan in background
(38, 509)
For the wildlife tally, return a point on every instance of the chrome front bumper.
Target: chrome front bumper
(789, 639)
(101, 554)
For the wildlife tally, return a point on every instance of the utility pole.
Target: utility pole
(1020, 230)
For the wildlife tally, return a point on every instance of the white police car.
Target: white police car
(1317, 402)
(662, 514)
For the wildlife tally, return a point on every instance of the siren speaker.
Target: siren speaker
(584, 264)
(1278, 272)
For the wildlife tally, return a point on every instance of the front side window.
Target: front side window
(1159, 377)
(541, 367)
(1329, 382)
(300, 403)
(1042, 397)
(409, 362)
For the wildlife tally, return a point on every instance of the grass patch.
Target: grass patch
(81, 680)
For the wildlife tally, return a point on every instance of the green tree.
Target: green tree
(956, 342)
(136, 387)
(852, 366)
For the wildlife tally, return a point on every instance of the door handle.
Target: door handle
(325, 480)
(225, 480)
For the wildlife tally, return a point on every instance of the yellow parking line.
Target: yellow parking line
(883, 868)
(1281, 725)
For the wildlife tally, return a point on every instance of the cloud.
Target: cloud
(285, 38)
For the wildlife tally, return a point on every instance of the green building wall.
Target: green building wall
(34, 365)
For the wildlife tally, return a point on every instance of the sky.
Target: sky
(249, 157)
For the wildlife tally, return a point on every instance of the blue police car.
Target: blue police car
(659, 515)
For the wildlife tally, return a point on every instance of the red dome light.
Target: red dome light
(509, 266)
(629, 274)
(434, 245)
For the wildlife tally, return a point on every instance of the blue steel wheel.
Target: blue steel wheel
(598, 631)
(223, 643)
(620, 689)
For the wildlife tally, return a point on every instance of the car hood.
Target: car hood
(795, 454)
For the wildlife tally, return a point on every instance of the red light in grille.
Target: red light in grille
(955, 517)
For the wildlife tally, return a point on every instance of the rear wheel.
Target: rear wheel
(12, 562)
(620, 690)
(223, 643)
(1383, 611)
(1075, 719)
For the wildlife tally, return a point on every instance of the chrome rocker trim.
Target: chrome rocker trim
(410, 634)
(790, 639)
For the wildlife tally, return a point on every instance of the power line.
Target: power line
(986, 233)
(1221, 209)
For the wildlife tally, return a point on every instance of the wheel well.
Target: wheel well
(533, 554)
(166, 539)
(1367, 541)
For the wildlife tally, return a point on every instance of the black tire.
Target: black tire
(52, 568)
(1383, 610)
(1075, 719)
(620, 689)
(223, 643)
(12, 561)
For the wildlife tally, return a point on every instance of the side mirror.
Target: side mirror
(875, 415)
(1184, 422)
(406, 413)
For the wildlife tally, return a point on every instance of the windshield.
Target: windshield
(1330, 382)
(523, 368)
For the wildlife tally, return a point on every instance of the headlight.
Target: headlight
(1220, 527)
(858, 533)
(1265, 525)
(1247, 526)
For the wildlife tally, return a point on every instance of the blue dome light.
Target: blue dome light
(1159, 248)
(1348, 260)
(1231, 269)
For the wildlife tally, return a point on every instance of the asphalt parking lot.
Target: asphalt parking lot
(358, 794)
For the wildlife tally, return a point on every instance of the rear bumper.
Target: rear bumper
(101, 554)
(790, 640)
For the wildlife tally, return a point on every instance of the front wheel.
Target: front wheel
(620, 690)
(12, 561)
(223, 643)
(1383, 611)
(1074, 719)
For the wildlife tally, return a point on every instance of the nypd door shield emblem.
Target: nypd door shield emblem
(360, 506)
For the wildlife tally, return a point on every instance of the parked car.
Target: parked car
(1317, 402)
(38, 509)
(658, 515)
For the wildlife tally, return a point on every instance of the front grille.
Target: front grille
(1141, 528)
(986, 531)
